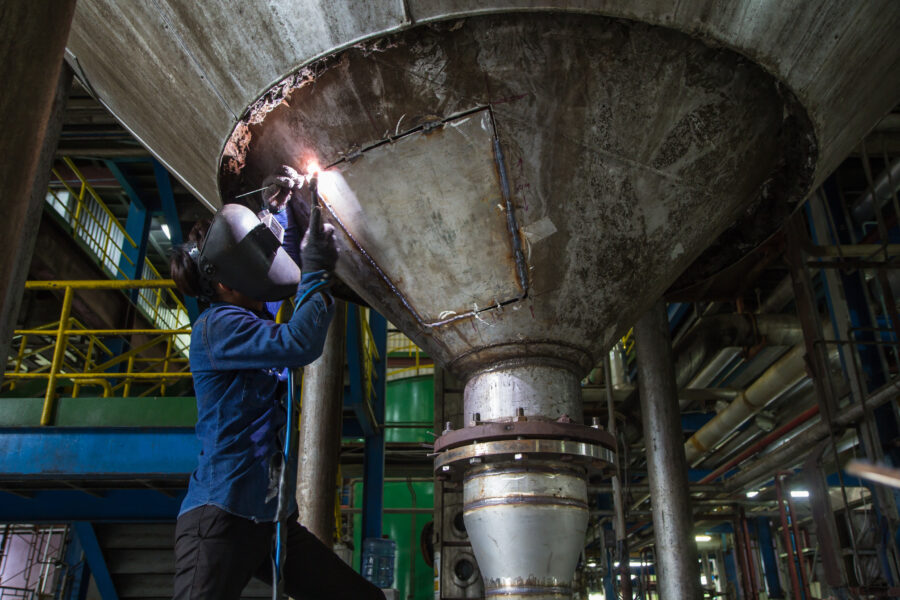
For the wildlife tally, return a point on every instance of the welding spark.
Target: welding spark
(312, 168)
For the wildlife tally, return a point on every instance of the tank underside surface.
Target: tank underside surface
(504, 188)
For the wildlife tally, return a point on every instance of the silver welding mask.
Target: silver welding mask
(244, 252)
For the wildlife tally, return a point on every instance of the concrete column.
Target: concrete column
(677, 568)
(36, 86)
(320, 432)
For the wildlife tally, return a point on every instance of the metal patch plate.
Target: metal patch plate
(428, 210)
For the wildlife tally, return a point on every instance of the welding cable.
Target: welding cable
(280, 516)
(280, 513)
(318, 286)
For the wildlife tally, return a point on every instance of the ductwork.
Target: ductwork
(712, 334)
(781, 376)
(779, 298)
(790, 454)
(778, 379)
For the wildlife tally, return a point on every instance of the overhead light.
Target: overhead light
(799, 494)
(596, 596)
(592, 564)
(165, 229)
(703, 538)
(753, 493)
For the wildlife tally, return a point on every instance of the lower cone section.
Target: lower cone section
(526, 521)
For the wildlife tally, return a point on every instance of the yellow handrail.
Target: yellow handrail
(87, 187)
(90, 367)
(95, 224)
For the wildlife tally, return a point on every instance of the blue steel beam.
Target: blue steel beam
(137, 225)
(62, 506)
(170, 212)
(60, 453)
(354, 396)
(94, 556)
(769, 559)
(77, 573)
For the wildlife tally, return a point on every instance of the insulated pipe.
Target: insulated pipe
(618, 500)
(320, 432)
(786, 372)
(765, 441)
(789, 454)
(779, 298)
(713, 333)
(678, 573)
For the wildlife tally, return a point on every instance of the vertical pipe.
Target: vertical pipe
(678, 572)
(796, 592)
(59, 353)
(320, 432)
(751, 564)
(801, 561)
(32, 103)
(721, 570)
(707, 574)
(740, 549)
(413, 538)
(618, 500)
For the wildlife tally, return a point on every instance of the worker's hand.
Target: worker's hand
(318, 250)
(281, 186)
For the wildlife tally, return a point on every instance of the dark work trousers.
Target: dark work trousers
(216, 554)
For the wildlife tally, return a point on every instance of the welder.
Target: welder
(239, 356)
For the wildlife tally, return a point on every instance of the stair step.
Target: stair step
(146, 587)
(136, 535)
(144, 561)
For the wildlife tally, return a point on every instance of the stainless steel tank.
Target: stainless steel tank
(512, 183)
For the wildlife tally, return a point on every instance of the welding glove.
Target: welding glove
(284, 184)
(318, 250)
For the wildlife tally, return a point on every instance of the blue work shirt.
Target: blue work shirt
(236, 358)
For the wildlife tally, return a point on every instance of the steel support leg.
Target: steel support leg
(320, 432)
(35, 91)
(731, 575)
(94, 556)
(678, 571)
(78, 573)
(373, 461)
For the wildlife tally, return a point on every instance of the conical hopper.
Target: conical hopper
(626, 147)
(521, 186)
(513, 192)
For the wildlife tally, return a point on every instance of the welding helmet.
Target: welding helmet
(243, 252)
